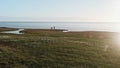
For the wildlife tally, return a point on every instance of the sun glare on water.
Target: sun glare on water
(114, 16)
(116, 24)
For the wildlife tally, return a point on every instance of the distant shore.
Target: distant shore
(7, 29)
(59, 30)
(22, 30)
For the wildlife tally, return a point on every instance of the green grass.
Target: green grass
(52, 49)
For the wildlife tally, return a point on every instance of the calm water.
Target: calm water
(14, 32)
(71, 26)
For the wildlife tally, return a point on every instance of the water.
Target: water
(71, 26)
(14, 32)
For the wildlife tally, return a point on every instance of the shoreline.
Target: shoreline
(2, 29)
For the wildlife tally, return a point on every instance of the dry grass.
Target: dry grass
(7, 29)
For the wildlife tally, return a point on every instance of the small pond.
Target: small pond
(14, 32)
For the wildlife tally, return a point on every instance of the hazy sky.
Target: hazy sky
(60, 10)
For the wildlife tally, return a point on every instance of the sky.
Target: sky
(60, 10)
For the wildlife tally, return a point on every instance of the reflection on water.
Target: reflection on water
(14, 32)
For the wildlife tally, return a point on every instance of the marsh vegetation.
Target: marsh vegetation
(57, 49)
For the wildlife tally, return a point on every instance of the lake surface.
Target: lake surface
(70, 26)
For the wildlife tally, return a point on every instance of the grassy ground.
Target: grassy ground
(7, 29)
(55, 49)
